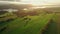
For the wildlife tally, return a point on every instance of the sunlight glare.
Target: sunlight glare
(25, 9)
(34, 2)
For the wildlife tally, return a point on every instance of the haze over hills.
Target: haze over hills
(19, 5)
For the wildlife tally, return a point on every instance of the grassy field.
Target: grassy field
(33, 26)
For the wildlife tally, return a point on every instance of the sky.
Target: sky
(41, 2)
(37, 2)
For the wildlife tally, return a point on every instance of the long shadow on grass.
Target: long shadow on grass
(51, 28)
(3, 23)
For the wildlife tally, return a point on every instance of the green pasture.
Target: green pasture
(33, 26)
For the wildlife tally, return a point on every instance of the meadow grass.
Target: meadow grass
(34, 26)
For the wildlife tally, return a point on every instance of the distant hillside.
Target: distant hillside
(14, 6)
(53, 9)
